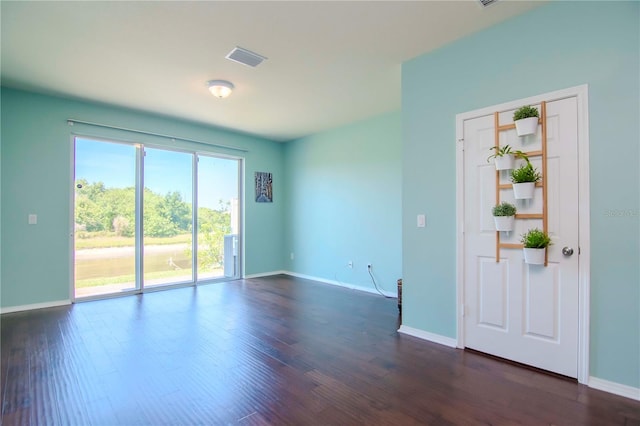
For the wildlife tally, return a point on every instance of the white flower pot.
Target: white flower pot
(504, 223)
(524, 190)
(527, 126)
(505, 162)
(534, 256)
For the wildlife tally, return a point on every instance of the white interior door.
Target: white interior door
(526, 313)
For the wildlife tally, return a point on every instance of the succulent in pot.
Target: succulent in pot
(526, 120)
(535, 242)
(504, 216)
(504, 157)
(524, 180)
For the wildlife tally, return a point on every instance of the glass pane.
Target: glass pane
(104, 216)
(167, 217)
(218, 218)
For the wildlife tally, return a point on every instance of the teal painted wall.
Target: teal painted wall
(344, 202)
(36, 169)
(571, 43)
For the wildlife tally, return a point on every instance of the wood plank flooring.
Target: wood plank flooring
(270, 351)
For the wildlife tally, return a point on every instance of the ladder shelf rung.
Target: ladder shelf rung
(510, 185)
(533, 153)
(507, 127)
(512, 126)
(511, 245)
(529, 216)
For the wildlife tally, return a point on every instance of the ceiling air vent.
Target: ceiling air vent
(245, 57)
(486, 3)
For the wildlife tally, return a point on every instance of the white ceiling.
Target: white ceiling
(330, 63)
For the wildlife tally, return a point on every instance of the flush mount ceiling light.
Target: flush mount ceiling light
(220, 88)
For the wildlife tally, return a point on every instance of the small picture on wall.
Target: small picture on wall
(264, 187)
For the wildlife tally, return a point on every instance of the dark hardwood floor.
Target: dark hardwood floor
(276, 350)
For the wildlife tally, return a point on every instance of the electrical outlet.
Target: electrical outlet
(292, 256)
(350, 264)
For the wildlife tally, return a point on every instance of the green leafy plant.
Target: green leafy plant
(535, 238)
(526, 111)
(213, 225)
(505, 150)
(525, 173)
(504, 209)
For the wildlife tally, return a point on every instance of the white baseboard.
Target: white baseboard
(11, 309)
(340, 284)
(264, 274)
(614, 388)
(431, 337)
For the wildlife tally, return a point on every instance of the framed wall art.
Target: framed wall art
(264, 187)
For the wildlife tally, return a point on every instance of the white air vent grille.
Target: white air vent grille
(486, 3)
(245, 57)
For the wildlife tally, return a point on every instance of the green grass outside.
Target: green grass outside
(96, 282)
(113, 241)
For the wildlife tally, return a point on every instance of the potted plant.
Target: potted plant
(535, 243)
(526, 120)
(504, 157)
(504, 215)
(524, 180)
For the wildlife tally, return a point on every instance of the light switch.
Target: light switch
(33, 219)
(422, 221)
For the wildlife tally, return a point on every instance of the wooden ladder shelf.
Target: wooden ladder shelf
(541, 153)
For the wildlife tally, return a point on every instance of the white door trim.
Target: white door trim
(581, 93)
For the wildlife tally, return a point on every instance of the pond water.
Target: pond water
(163, 264)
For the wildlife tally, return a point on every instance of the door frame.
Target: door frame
(241, 212)
(139, 242)
(72, 210)
(581, 93)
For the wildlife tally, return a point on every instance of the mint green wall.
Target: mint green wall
(36, 171)
(344, 203)
(570, 43)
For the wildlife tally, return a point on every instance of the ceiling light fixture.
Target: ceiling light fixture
(220, 88)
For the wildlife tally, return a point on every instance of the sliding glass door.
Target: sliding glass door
(128, 238)
(218, 218)
(167, 218)
(104, 217)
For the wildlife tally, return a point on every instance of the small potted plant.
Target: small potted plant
(504, 215)
(535, 243)
(526, 120)
(504, 157)
(524, 180)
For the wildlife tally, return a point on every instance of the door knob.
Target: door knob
(567, 251)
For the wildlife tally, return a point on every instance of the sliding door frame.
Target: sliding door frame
(139, 287)
(140, 189)
(139, 164)
(241, 215)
